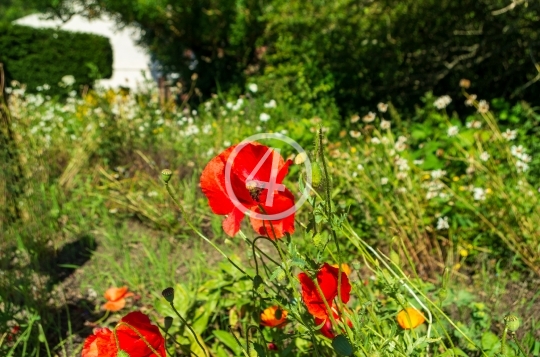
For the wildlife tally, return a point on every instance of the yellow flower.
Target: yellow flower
(463, 252)
(455, 178)
(488, 190)
(353, 149)
(410, 318)
(380, 220)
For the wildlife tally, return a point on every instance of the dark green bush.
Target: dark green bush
(43, 56)
(362, 52)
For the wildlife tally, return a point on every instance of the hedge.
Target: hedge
(43, 56)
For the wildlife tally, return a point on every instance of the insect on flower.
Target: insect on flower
(273, 317)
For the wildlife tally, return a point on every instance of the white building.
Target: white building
(129, 60)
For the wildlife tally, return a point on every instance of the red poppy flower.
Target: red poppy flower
(135, 334)
(252, 181)
(327, 278)
(327, 329)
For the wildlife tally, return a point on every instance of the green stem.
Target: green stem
(189, 327)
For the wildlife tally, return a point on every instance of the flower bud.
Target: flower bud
(442, 294)
(166, 175)
(342, 346)
(168, 323)
(168, 294)
(257, 281)
(511, 322)
(316, 174)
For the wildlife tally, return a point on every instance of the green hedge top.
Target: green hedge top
(43, 56)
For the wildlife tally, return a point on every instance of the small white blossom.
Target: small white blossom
(401, 175)
(525, 158)
(400, 146)
(509, 134)
(355, 134)
(442, 223)
(522, 166)
(453, 130)
(360, 167)
(226, 143)
(271, 104)
(264, 117)
(442, 102)
(484, 156)
(253, 87)
(369, 117)
(385, 124)
(383, 107)
(418, 162)
(483, 107)
(517, 150)
(355, 118)
(384, 181)
(152, 194)
(470, 101)
(68, 80)
(375, 140)
(479, 194)
(470, 170)
(437, 174)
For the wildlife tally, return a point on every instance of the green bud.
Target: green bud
(122, 353)
(316, 174)
(257, 281)
(166, 175)
(512, 323)
(168, 294)
(401, 299)
(443, 294)
(318, 240)
(342, 346)
(168, 322)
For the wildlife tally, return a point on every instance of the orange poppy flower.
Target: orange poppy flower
(135, 334)
(327, 278)
(344, 268)
(269, 319)
(116, 298)
(410, 318)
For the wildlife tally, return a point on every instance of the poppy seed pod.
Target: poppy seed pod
(168, 294)
(166, 175)
(511, 322)
(342, 346)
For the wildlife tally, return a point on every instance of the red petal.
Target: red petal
(100, 344)
(311, 297)
(132, 343)
(213, 184)
(326, 330)
(231, 225)
(249, 157)
(328, 280)
(282, 202)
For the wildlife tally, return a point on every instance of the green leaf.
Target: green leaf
(228, 340)
(489, 340)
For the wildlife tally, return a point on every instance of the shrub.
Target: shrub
(43, 56)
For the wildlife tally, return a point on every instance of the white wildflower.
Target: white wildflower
(226, 143)
(385, 124)
(522, 166)
(479, 194)
(470, 170)
(470, 100)
(369, 117)
(355, 118)
(152, 194)
(375, 140)
(383, 107)
(360, 167)
(453, 130)
(384, 181)
(442, 223)
(517, 151)
(271, 104)
(509, 134)
(442, 102)
(437, 174)
(68, 80)
(264, 117)
(355, 134)
(418, 162)
(525, 158)
(401, 175)
(483, 107)
(253, 87)
(484, 156)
